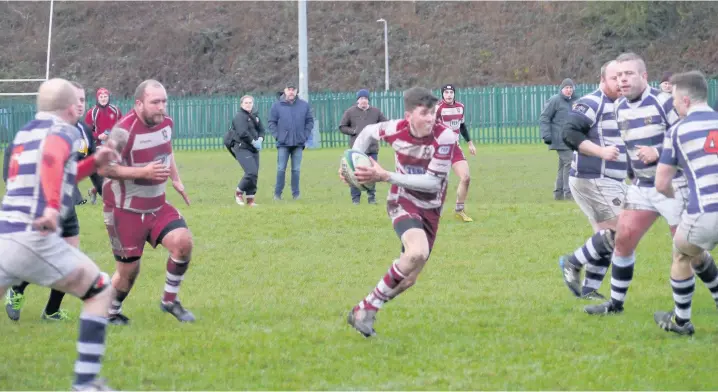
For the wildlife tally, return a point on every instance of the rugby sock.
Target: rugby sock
(90, 348)
(175, 274)
(595, 273)
(595, 254)
(682, 296)
(116, 304)
(459, 206)
(20, 289)
(621, 276)
(708, 273)
(53, 304)
(384, 290)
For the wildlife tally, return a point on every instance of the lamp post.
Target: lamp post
(386, 53)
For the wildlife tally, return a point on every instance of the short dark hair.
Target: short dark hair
(140, 90)
(418, 96)
(692, 83)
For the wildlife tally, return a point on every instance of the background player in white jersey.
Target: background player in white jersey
(643, 115)
(136, 210)
(42, 174)
(692, 145)
(423, 151)
(452, 114)
(597, 180)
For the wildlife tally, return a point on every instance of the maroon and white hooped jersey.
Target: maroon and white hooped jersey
(428, 155)
(144, 146)
(451, 115)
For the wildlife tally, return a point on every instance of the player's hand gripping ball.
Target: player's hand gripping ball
(351, 159)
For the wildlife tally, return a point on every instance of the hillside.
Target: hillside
(229, 47)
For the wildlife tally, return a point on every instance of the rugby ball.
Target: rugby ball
(351, 159)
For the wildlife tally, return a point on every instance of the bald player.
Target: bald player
(136, 210)
(42, 174)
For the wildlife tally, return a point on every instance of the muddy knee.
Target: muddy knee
(180, 245)
(417, 258)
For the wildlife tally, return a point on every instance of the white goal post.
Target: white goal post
(47, 63)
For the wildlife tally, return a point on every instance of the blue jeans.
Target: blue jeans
(283, 154)
(356, 193)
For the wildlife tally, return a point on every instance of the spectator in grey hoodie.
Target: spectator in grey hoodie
(555, 112)
(352, 123)
(291, 123)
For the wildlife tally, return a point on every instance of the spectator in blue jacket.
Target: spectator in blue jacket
(291, 123)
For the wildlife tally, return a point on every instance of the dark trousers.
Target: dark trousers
(564, 168)
(250, 164)
(356, 193)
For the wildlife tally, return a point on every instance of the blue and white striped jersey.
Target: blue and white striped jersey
(25, 200)
(692, 145)
(645, 122)
(598, 109)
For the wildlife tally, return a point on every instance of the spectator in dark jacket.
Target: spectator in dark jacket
(247, 135)
(352, 123)
(291, 123)
(553, 116)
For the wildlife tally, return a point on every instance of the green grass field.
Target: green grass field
(271, 287)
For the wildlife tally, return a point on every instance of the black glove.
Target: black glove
(547, 141)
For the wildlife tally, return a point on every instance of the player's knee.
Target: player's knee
(417, 256)
(609, 238)
(623, 238)
(182, 247)
(98, 288)
(465, 178)
(703, 262)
